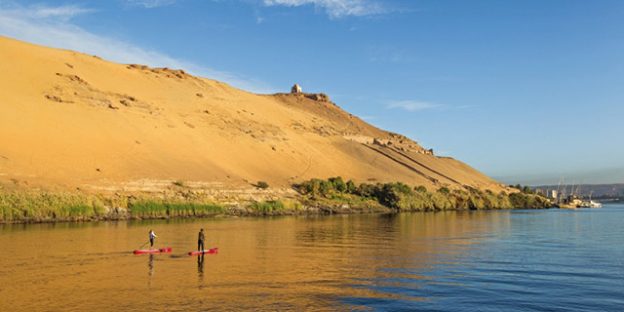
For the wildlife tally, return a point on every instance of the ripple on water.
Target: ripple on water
(544, 260)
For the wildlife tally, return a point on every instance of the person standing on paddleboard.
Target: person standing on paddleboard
(200, 240)
(152, 236)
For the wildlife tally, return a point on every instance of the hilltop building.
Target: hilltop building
(296, 89)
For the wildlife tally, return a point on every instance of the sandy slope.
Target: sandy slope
(73, 120)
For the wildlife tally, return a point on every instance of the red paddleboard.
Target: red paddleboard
(152, 251)
(204, 252)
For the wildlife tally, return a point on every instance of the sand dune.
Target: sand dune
(72, 120)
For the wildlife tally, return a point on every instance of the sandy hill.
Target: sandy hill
(73, 120)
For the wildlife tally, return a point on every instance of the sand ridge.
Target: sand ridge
(72, 120)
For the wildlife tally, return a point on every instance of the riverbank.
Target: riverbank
(313, 197)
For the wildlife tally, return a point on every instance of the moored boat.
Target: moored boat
(591, 204)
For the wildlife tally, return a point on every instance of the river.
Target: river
(521, 260)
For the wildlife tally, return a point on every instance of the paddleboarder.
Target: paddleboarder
(200, 240)
(152, 236)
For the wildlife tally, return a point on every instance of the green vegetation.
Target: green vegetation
(43, 206)
(268, 207)
(333, 195)
(272, 207)
(262, 185)
(524, 189)
(151, 208)
(33, 206)
(401, 197)
(178, 183)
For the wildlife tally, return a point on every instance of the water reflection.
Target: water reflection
(267, 264)
(150, 265)
(200, 265)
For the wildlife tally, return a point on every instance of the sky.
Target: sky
(527, 92)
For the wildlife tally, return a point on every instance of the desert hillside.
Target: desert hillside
(70, 120)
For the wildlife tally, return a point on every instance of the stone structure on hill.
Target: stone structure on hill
(296, 89)
(319, 97)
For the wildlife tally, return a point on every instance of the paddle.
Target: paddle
(143, 245)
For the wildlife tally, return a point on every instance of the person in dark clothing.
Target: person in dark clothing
(200, 240)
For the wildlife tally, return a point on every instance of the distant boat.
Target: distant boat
(573, 201)
(566, 206)
(591, 204)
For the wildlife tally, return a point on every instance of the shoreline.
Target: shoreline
(313, 197)
(311, 212)
(324, 211)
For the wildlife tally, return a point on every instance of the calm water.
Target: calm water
(546, 260)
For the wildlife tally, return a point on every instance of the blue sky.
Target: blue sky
(525, 91)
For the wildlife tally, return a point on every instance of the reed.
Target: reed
(268, 207)
(44, 206)
(153, 208)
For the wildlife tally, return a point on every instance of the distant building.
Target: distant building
(553, 194)
(296, 89)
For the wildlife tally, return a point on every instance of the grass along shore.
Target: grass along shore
(315, 196)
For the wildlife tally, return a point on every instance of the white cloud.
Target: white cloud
(65, 12)
(150, 3)
(335, 8)
(412, 106)
(51, 26)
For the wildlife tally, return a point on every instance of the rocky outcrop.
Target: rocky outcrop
(402, 143)
(321, 97)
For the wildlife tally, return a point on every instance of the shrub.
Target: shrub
(367, 190)
(309, 187)
(351, 188)
(391, 194)
(269, 206)
(325, 187)
(402, 197)
(178, 183)
(420, 189)
(338, 184)
(518, 200)
(262, 185)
